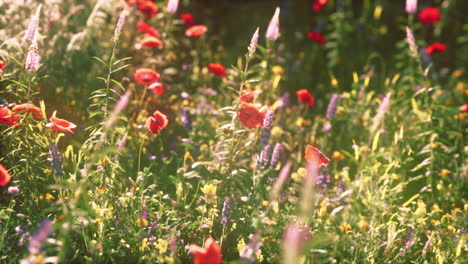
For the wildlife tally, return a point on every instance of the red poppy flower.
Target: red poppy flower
(130, 2)
(2, 65)
(148, 8)
(196, 31)
(210, 254)
(217, 69)
(7, 117)
(188, 19)
(146, 76)
(157, 88)
(5, 176)
(318, 5)
(61, 125)
(435, 48)
(305, 96)
(316, 37)
(429, 15)
(250, 116)
(314, 155)
(145, 28)
(151, 42)
(156, 123)
(464, 108)
(34, 110)
(247, 96)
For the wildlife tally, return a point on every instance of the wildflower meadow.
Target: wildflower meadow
(233, 131)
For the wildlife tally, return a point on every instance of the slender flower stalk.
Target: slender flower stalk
(411, 6)
(253, 43)
(264, 157)
(31, 32)
(226, 211)
(32, 58)
(332, 105)
(280, 181)
(55, 159)
(266, 128)
(383, 108)
(293, 241)
(119, 26)
(172, 6)
(411, 43)
(276, 155)
(37, 240)
(118, 108)
(272, 32)
(250, 252)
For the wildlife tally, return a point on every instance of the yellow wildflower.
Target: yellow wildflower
(444, 173)
(276, 132)
(141, 222)
(302, 171)
(338, 155)
(295, 177)
(209, 189)
(162, 245)
(363, 225)
(277, 70)
(334, 81)
(48, 196)
(345, 228)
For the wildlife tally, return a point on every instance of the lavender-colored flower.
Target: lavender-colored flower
(144, 214)
(293, 241)
(276, 155)
(172, 6)
(186, 119)
(280, 181)
(283, 102)
(266, 128)
(331, 109)
(322, 181)
(250, 252)
(13, 190)
(55, 159)
(264, 157)
(341, 186)
(226, 211)
(37, 240)
(32, 58)
(427, 245)
(411, 42)
(119, 26)
(31, 32)
(122, 142)
(411, 239)
(253, 43)
(383, 108)
(272, 32)
(411, 6)
(123, 102)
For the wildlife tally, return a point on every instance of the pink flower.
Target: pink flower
(172, 6)
(411, 6)
(272, 32)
